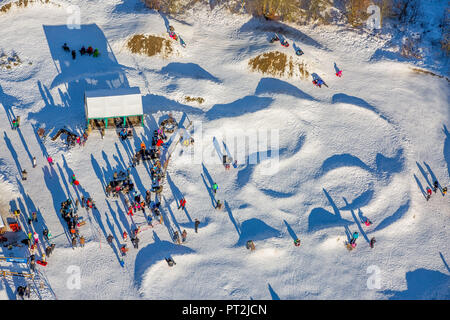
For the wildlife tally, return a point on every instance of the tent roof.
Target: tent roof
(113, 103)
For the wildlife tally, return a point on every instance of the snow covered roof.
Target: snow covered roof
(113, 103)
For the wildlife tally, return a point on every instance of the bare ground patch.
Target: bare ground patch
(21, 4)
(199, 100)
(150, 45)
(278, 64)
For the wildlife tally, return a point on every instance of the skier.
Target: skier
(182, 204)
(372, 242)
(125, 236)
(170, 262)
(297, 242)
(36, 237)
(184, 235)
(24, 174)
(215, 187)
(34, 162)
(66, 48)
(196, 225)
(74, 54)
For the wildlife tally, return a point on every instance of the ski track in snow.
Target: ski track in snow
(363, 148)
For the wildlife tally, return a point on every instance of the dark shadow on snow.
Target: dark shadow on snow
(423, 284)
(397, 215)
(188, 70)
(276, 86)
(255, 229)
(154, 253)
(239, 107)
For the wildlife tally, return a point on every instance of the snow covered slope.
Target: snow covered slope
(366, 147)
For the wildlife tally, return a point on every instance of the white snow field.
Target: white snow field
(365, 147)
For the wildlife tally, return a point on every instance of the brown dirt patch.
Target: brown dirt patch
(149, 45)
(276, 63)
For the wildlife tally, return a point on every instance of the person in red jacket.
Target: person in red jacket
(182, 204)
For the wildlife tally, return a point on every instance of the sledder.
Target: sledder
(299, 52)
(274, 38)
(284, 43)
(319, 83)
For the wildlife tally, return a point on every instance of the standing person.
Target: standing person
(148, 197)
(82, 240)
(355, 236)
(250, 245)
(176, 237)
(50, 160)
(444, 191)
(34, 162)
(74, 54)
(36, 237)
(215, 187)
(435, 185)
(34, 215)
(45, 233)
(124, 249)
(74, 242)
(372, 242)
(110, 239)
(367, 222)
(52, 246)
(125, 236)
(297, 242)
(219, 205)
(196, 225)
(429, 193)
(182, 204)
(82, 201)
(48, 251)
(135, 242)
(24, 174)
(184, 235)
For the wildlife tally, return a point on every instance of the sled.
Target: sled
(42, 263)
(82, 223)
(299, 52)
(285, 44)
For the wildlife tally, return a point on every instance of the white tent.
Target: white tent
(112, 104)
